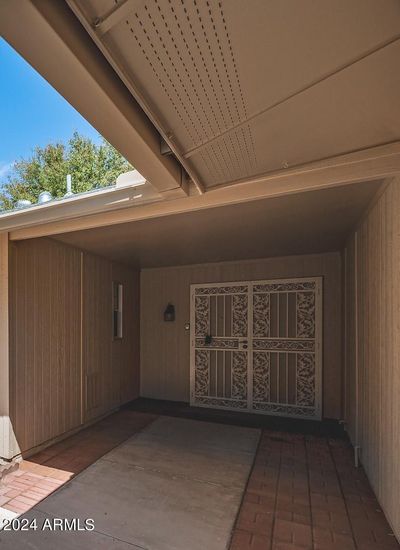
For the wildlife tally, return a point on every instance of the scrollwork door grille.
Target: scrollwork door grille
(256, 346)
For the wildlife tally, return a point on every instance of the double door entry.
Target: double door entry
(256, 346)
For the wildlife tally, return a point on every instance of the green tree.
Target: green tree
(90, 165)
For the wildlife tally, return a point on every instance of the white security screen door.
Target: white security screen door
(256, 346)
(220, 349)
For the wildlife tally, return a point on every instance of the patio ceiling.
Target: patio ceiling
(294, 224)
(247, 93)
(244, 88)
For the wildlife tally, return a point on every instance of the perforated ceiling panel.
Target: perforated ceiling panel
(195, 80)
(244, 87)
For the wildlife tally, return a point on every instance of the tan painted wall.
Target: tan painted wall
(377, 346)
(165, 346)
(65, 367)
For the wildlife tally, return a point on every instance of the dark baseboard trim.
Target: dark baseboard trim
(324, 428)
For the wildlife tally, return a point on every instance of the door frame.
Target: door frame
(318, 343)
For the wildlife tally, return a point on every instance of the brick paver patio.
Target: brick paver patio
(305, 493)
(46, 471)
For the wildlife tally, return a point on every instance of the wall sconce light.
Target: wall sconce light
(169, 313)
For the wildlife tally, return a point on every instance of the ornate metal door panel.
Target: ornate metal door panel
(257, 346)
(286, 344)
(220, 350)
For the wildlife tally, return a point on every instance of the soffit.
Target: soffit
(245, 88)
(308, 222)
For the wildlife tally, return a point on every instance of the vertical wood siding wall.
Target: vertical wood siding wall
(165, 347)
(128, 346)
(373, 336)
(99, 392)
(65, 367)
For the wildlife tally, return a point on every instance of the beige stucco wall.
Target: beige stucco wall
(165, 347)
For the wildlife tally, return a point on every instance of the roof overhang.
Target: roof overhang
(235, 94)
(52, 40)
(321, 97)
(381, 163)
(79, 206)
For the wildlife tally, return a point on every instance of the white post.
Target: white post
(8, 445)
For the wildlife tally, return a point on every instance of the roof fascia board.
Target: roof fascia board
(78, 206)
(376, 163)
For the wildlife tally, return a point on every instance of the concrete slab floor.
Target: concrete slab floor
(44, 472)
(177, 485)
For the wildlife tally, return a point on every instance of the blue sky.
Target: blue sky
(31, 112)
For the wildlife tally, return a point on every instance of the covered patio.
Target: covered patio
(211, 362)
(160, 481)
